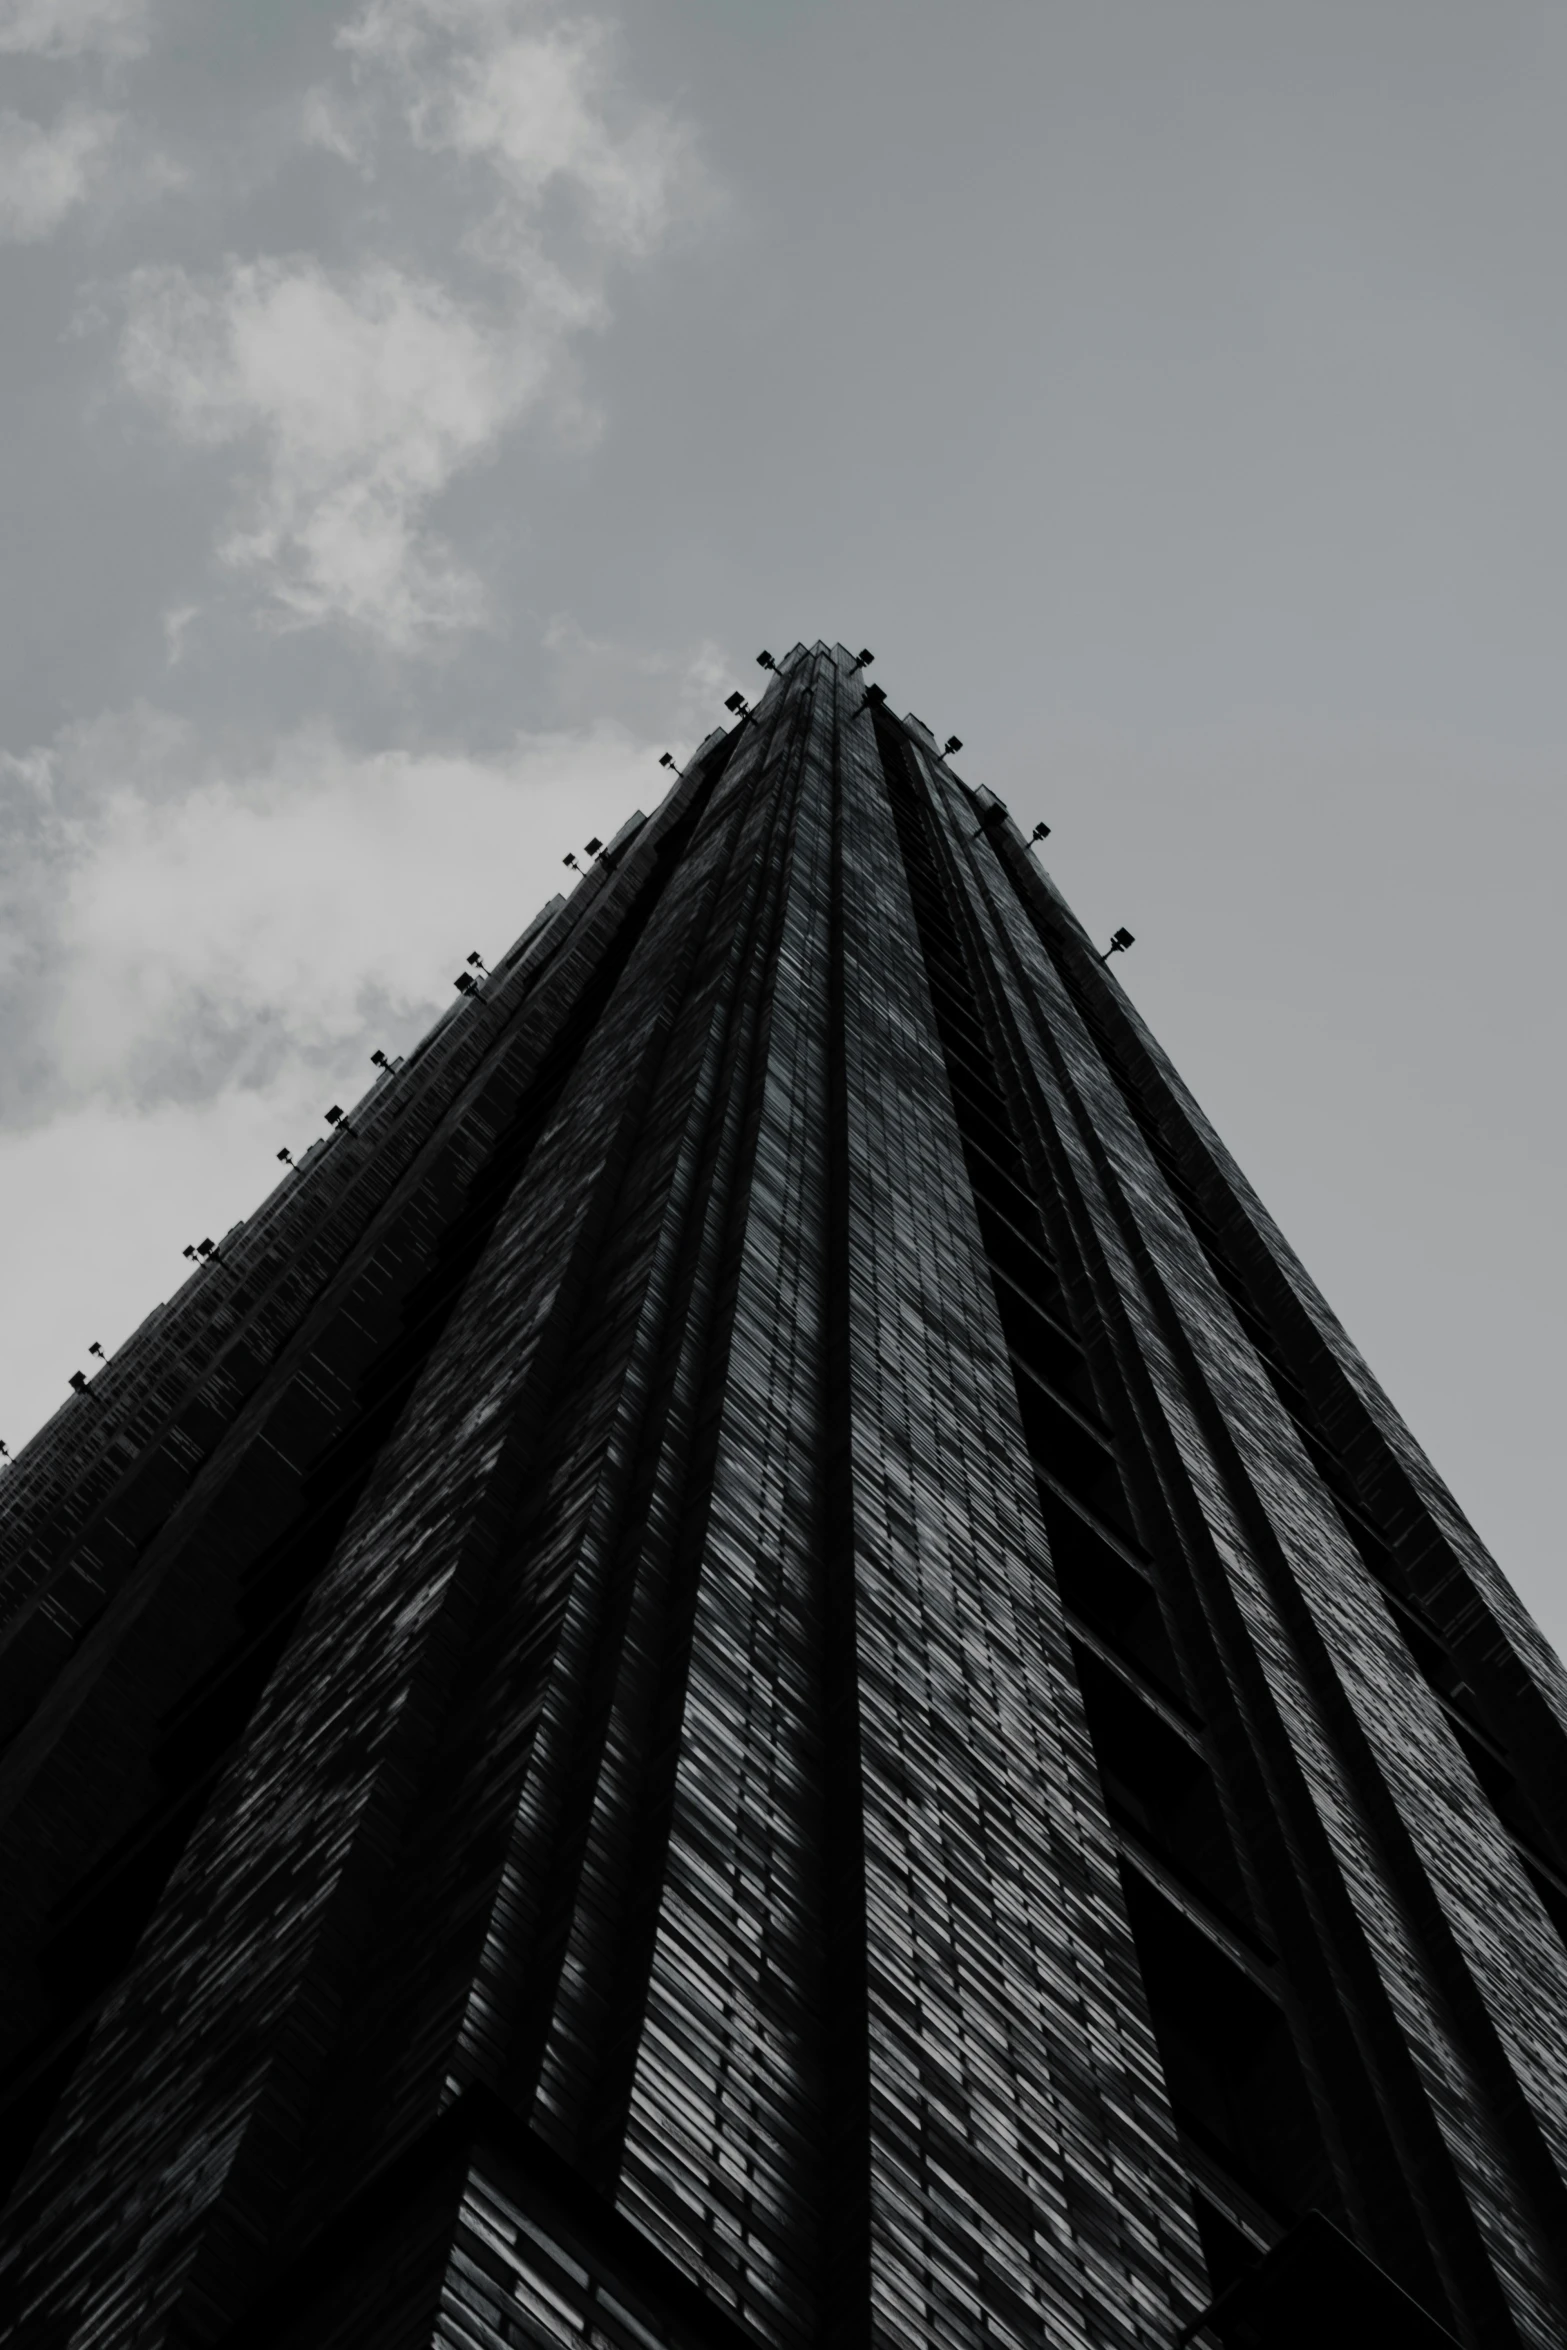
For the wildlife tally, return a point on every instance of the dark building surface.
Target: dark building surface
(755, 1669)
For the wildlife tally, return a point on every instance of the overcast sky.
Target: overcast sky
(417, 414)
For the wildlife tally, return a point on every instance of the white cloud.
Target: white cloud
(339, 124)
(183, 922)
(176, 621)
(505, 84)
(364, 391)
(365, 395)
(73, 28)
(46, 171)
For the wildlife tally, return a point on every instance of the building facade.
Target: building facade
(756, 1670)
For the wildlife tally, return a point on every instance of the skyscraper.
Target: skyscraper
(755, 1669)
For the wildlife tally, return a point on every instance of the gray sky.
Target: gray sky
(417, 413)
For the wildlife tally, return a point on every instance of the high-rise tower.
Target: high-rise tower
(755, 1669)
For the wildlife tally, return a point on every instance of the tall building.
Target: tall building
(755, 1669)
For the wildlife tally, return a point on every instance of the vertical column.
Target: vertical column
(721, 2161)
(1332, 1686)
(504, 1932)
(1023, 2175)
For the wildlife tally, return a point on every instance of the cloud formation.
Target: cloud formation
(180, 922)
(362, 395)
(47, 170)
(357, 394)
(503, 84)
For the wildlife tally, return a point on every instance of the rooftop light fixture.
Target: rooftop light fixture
(953, 743)
(665, 759)
(863, 658)
(1120, 940)
(568, 859)
(594, 847)
(1040, 832)
(287, 1157)
(335, 1117)
(738, 703)
(766, 661)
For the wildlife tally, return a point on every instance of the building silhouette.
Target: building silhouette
(755, 1669)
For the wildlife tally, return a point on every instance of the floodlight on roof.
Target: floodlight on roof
(738, 703)
(953, 743)
(1120, 940)
(666, 759)
(1040, 832)
(594, 847)
(765, 661)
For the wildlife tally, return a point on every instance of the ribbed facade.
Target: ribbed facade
(756, 1670)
